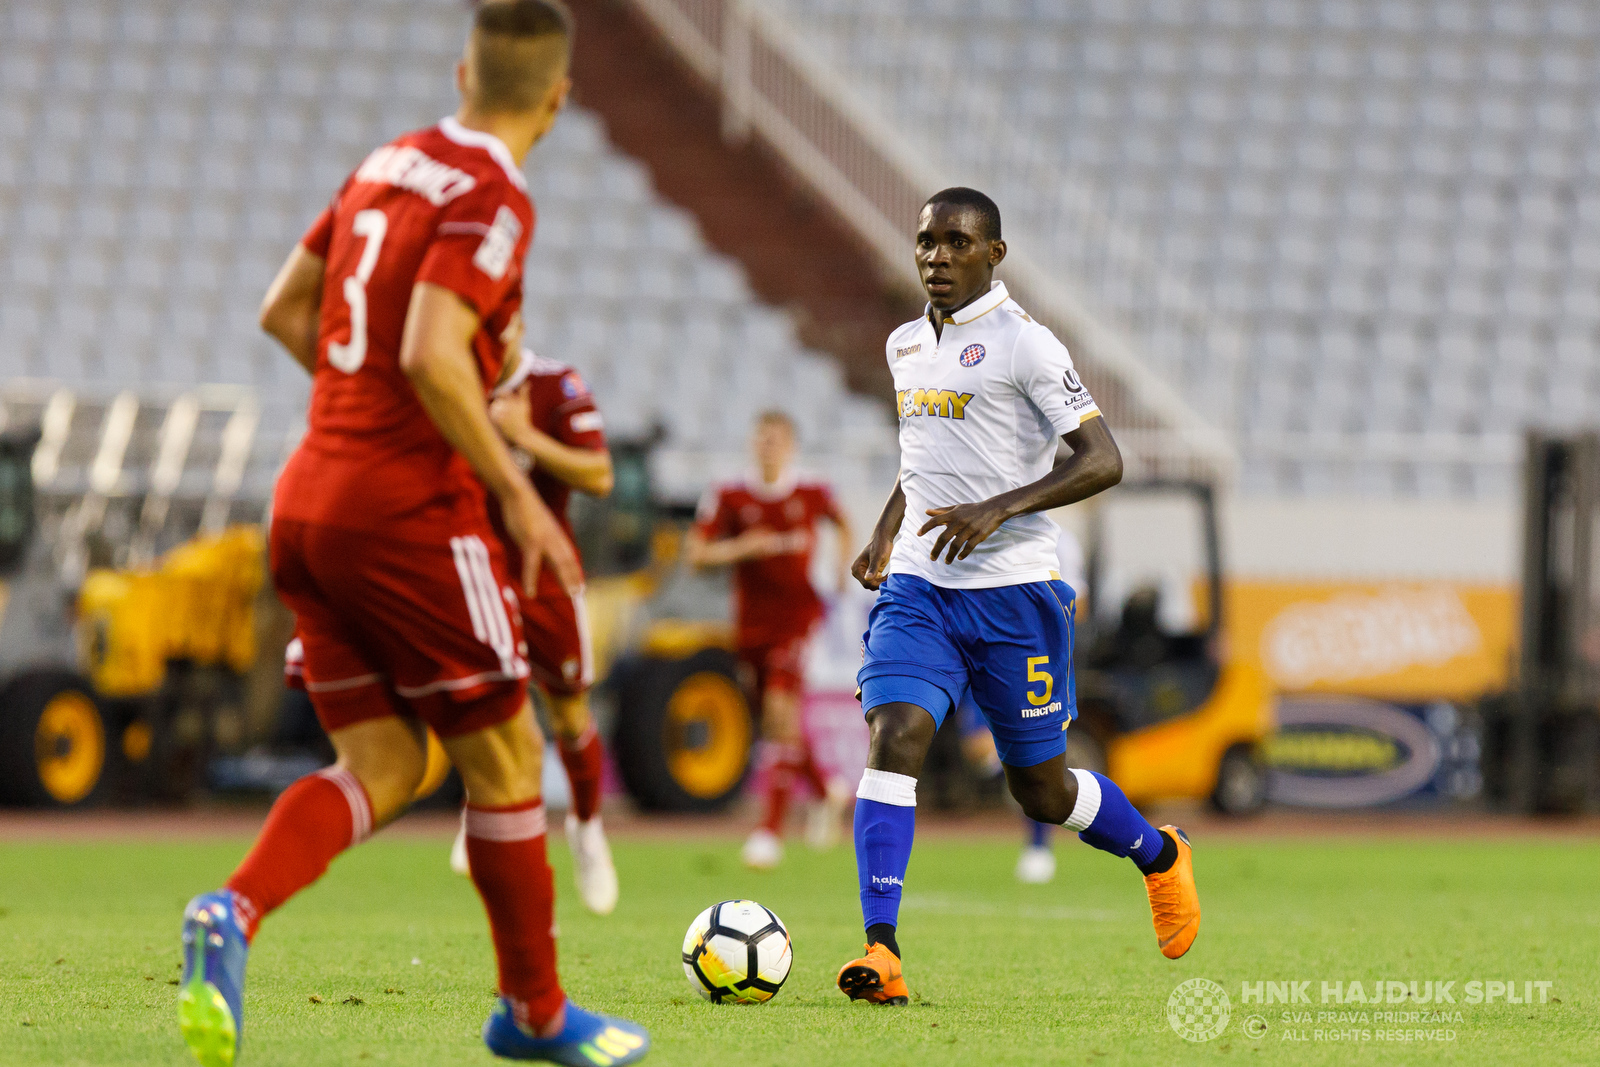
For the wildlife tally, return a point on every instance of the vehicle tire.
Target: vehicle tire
(1241, 782)
(683, 731)
(52, 741)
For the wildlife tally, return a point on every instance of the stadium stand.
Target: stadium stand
(1392, 205)
(157, 162)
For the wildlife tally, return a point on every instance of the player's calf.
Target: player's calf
(1104, 818)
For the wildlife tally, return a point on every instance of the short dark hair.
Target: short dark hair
(511, 75)
(523, 18)
(961, 196)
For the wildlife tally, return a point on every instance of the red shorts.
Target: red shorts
(559, 648)
(393, 628)
(774, 668)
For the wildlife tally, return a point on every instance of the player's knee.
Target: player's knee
(780, 716)
(500, 765)
(1041, 807)
(392, 783)
(569, 715)
(901, 734)
(1043, 801)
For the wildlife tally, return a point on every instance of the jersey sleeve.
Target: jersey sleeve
(1042, 371)
(713, 518)
(577, 420)
(825, 506)
(320, 235)
(478, 246)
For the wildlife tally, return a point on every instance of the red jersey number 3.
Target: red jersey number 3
(372, 225)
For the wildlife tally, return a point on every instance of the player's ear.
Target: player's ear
(461, 78)
(997, 252)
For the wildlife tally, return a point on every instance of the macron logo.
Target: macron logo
(891, 880)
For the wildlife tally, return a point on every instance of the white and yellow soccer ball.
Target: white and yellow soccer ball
(737, 952)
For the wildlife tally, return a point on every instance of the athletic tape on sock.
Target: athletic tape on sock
(516, 825)
(1088, 805)
(886, 787)
(355, 795)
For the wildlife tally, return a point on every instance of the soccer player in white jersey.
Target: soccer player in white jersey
(969, 598)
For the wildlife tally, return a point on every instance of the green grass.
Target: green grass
(387, 960)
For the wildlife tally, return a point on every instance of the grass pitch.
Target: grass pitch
(387, 960)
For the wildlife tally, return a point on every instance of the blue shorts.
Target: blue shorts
(1009, 646)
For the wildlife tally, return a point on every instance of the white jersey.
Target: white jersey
(981, 410)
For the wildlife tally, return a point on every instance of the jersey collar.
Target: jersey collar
(980, 307)
(488, 142)
(777, 490)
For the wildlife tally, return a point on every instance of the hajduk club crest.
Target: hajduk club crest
(972, 355)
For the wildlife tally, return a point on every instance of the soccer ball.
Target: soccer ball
(738, 952)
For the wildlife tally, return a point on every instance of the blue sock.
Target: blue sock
(886, 821)
(1104, 818)
(1039, 834)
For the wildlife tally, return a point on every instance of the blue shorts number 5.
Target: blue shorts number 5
(1010, 645)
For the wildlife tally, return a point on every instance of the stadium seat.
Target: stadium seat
(172, 162)
(1432, 156)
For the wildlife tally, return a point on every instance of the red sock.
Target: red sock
(781, 763)
(583, 756)
(808, 770)
(313, 821)
(506, 849)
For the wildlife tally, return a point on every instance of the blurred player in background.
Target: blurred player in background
(402, 301)
(766, 528)
(548, 416)
(1037, 864)
(975, 601)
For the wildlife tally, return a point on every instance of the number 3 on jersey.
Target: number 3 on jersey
(371, 224)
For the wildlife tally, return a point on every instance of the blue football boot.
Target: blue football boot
(211, 995)
(587, 1039)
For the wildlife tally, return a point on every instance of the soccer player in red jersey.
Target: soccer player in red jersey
(400, 301)
(765, 527)
(547, 414)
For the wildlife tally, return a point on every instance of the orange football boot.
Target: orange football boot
(1174, 904)
(875, 978)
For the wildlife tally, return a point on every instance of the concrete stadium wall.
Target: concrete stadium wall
(1373, 539)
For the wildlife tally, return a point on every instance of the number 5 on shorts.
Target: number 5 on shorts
(1037, 675)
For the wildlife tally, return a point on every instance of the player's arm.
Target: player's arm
(292, 309)
(712, 542)
(436, 356)
(873, 564)
(841, 526)
(703, 551)
(587, 470)
(1094, 466)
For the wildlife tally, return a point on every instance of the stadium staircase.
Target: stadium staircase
(157, 162)
(1360, 238)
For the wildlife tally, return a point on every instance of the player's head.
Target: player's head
(516, 61)
(774, 442)
(958, 246)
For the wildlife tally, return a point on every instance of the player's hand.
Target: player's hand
(761, 544)
(511, 415)
(871, 567)
(511, 337)
(542, 540)
(966, 526)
